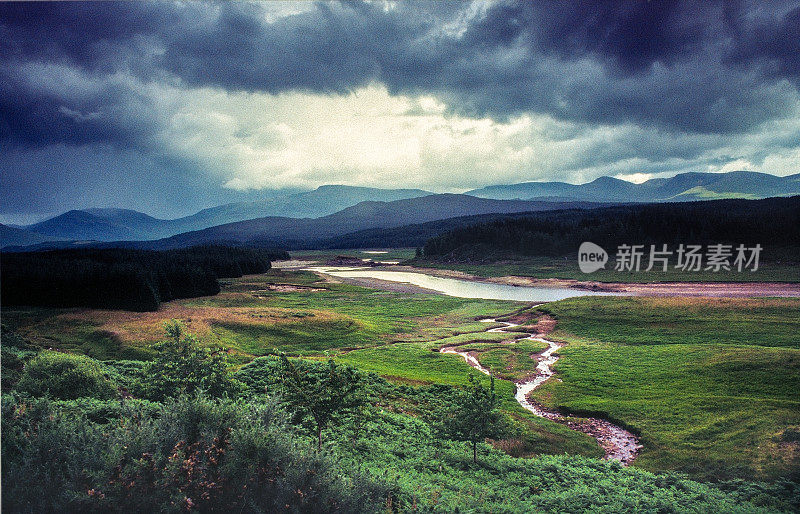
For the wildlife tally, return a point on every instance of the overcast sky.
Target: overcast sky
(170, 107)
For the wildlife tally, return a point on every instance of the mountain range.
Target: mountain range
(292, 233)
(102, 224)
(329, 212)
(684, 187)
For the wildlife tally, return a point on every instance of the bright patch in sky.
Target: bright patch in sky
(636, 178)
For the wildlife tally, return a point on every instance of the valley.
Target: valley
(679, 383)
(652, 364)
(359, 257)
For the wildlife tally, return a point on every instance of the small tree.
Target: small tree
(473, 415)
(323, 393)
(182, 366)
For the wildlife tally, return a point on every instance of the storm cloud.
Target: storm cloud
(456, 95)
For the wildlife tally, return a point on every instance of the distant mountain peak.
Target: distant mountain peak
(117, 224)
(681, 187)
(342, 187)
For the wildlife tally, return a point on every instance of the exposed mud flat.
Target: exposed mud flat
(293, 264)
(376, 283)
(288, 288)
(617, 443)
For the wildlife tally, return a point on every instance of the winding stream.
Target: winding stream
(618, 443)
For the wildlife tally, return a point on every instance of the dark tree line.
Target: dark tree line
(137, 280)
(774, 223)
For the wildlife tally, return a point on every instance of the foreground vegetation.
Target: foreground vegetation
(250, 448)
(709, 390)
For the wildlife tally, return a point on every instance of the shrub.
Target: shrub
(473, 416)
(323, 394)
(198, 454)
(183, 367)
(12, 366)
(107, 411)
(65, 377)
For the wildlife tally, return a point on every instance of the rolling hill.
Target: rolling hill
(682, 187)
(82, 225)
(771, 223)
(322, 201)
(125, 224)
(306, 232)
(11, 236)
(291, 218)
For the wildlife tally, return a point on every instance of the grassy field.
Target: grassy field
(710, 384)
(393, 334)
(546, 267)
(252, 320)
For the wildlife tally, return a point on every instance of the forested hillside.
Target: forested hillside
(772, 223)
(136, 280)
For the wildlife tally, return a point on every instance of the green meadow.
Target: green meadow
(709, 385)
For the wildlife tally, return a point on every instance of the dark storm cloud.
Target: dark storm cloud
(42, 114)
(91, 35)
(92, 95)
(769, 39)
(674, 65)
(689, 66)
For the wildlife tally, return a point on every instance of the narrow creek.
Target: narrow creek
(618, 444)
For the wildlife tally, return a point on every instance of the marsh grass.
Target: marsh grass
(710, 384)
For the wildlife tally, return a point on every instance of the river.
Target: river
(617, 443)
(459, 288)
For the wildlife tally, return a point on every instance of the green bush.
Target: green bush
(437, 475)
(127, 373)
(213, 455)
(66, 377)
(183, 367)
(107, 411)
(199, 454)
(12, 366)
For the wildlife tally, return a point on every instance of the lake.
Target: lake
(461, 288)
